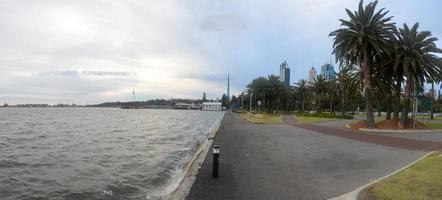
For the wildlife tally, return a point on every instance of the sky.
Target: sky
(92, 51)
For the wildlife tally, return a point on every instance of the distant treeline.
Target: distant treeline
(152, 102)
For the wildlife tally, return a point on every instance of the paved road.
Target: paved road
(336, 123)
(287, 162)
(434, 136)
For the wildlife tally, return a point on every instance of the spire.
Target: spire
(228, 86)
(133, 93)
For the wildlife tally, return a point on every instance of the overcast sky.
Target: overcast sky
(88, 51)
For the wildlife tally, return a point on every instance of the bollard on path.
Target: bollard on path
(216, 149)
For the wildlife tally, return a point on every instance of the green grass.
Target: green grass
(304, 119)
(421, 181)
(433, 125)
(263, 118)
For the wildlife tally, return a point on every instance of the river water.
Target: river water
(97, 153)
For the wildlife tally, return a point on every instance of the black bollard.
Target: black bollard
(216, 149)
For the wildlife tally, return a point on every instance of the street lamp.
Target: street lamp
(216, 150)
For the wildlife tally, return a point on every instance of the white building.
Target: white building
(311, 74)
(211, 106)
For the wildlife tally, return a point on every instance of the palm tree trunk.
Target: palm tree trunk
(432, 100)
(342, 104)
(319, 104)
(388, 107)
(331, 106)
(379, 107)
(368, 94)
(407, 97)
(303, 101)
(397, 101)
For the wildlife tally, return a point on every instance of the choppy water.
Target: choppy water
(96, 153)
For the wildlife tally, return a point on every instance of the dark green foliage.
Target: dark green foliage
(324, 115)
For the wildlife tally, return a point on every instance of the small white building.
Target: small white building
(211, 106)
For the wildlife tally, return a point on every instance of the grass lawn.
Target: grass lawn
(304, 119)
(422, 181)
(433, 125)
(263, 118)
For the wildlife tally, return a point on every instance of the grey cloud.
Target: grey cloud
(218, 23)
(108, 73)
(205, 77)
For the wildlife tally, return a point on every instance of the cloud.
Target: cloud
(83, 51)
(108, 73)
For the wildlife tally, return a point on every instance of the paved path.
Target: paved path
(336, 123)
(288, 162)
(433, 136)
(380, 139)
(288, 119)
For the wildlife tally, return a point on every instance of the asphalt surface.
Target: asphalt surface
(433, 136)
(288, 162)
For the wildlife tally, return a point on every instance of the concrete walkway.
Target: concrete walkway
(288, 162)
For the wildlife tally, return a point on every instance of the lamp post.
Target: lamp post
(216, 149)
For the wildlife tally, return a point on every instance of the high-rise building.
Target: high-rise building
(284, 73)
(311, 74)
(328, 71)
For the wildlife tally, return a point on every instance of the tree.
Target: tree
(273, 94)
(416, 56)
(301, 87)
(332, 93)
(320, 89)
(224, 100)
(347, 86)
(432, 96)
(359, 40)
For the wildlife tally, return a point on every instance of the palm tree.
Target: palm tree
(320, 89)
(276, 91)
(332, 93)
(359, 40)
(346, 84)
(301, 87)
(415, 55)
(432, 82)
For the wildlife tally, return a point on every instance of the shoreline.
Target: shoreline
(191, 170)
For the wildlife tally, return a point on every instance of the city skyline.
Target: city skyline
(87, 52)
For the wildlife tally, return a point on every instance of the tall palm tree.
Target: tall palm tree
(301, 87)
(332, 93)
(359, 40)
(391, 79)
(320, 87)
(416, 56)
(347, 83)
(276, 92)
(432, 82)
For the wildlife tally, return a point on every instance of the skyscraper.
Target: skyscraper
(311, 74)
(328, 71)
(284, 73)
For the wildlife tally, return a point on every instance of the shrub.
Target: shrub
(325, 115)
